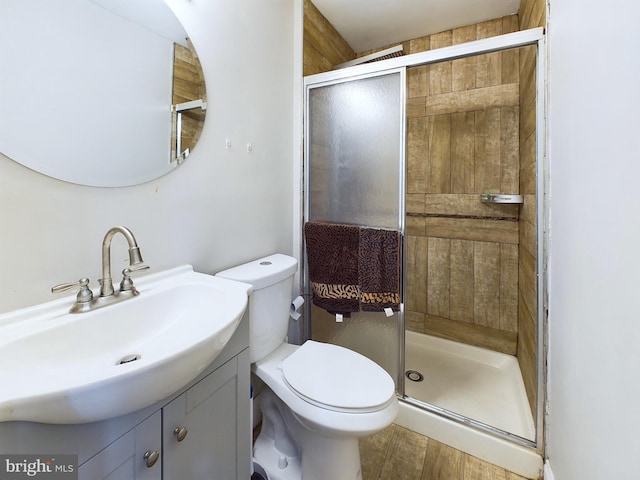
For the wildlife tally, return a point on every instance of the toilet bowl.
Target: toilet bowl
(313, 413)
(319, 398)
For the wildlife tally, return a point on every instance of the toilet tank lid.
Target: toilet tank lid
(262, 272)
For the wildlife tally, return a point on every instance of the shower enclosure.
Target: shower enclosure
(443, 147)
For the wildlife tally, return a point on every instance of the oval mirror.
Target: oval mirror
(103, 93)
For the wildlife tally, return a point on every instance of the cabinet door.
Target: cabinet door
(208, 413)
(125, 458)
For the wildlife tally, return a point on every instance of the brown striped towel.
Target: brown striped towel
(332, 257)
(379, 269)
(353, 268)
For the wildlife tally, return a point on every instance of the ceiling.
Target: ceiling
(369, 24)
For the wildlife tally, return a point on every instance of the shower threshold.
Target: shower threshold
(473, 382)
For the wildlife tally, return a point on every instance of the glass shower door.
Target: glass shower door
(471, 213)
(354, 174)
(470, 245)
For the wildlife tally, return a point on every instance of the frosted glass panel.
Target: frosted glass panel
(355, 165)
(355, 145)
(371, 334)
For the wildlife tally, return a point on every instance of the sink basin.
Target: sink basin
(65, 368)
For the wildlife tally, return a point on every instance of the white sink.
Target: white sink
(58, 367)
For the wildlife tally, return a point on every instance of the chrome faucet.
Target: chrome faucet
(85, 301)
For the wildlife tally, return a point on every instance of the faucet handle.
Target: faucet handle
(135, 268)
(84, 293)
(126, 285)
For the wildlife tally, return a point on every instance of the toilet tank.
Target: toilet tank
(270, 301)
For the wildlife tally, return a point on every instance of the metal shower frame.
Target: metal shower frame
(532, 37)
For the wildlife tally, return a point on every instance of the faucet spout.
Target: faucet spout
(135, 258)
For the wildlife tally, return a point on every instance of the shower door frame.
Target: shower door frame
(531, 37)
(335, 77)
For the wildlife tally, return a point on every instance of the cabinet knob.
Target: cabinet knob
(180, 433)
(151, 457)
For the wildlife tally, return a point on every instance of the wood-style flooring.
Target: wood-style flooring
(397, 453)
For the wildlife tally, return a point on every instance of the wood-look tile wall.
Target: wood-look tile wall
(463, 140)
(470, 278)
(323, 46)
(188, 84)
(532, 14)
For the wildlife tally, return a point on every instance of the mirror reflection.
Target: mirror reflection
(98, 92)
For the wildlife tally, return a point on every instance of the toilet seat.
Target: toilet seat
(338, 379)
(318, 417)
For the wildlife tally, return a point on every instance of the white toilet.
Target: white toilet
(320, 398)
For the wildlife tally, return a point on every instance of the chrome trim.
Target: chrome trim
(456, 417)
(522, 38)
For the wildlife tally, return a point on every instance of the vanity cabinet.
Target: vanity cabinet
(127, 457)
(202, 432)
(197, 444)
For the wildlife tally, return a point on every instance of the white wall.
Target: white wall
(220, 208)
(594, 315)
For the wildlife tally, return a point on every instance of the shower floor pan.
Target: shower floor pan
(479, 384)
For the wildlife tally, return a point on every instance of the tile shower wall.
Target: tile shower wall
(323, 45)
(447, 118)
(532, 14)
(519, 333)
(463, 140)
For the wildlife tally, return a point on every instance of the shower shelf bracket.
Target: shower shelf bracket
(501, 198)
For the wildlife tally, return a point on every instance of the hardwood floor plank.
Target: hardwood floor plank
(373, 450)
(442, 462)
(513, 476)
(397, 453)
(405, 456)
(476, 469)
